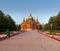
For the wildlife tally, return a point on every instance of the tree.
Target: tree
(6, 22)
(1, 21)
(58, 21)
(11, 23)
(55, 20)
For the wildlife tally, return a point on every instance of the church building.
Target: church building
(30, 23)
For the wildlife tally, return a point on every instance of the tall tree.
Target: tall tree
(11, 23)
(55, 21)
(6, 22)
(1, 21)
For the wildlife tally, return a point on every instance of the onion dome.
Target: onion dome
(36, 20)
(24, 20)
(30, 17)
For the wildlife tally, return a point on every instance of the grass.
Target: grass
(53, 32)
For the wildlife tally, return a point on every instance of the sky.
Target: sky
(20, 9)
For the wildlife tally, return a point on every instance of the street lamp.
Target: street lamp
(51, 26)
(43, 26)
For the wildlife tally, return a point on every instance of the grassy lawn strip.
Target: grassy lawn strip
(54, 32)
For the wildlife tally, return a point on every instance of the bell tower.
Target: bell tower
(36, 20)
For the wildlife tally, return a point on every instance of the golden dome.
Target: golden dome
(30, 17)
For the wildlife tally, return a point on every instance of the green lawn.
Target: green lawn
(53, 32)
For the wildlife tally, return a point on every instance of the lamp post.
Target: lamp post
(43, 26)
(51, 27)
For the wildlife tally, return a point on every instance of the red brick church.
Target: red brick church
(30, 23)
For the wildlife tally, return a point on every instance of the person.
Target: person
(8, 33)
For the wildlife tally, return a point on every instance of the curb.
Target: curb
(55, 37)
(12, 34)
(5, 37)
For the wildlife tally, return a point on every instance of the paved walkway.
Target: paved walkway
(29, 41)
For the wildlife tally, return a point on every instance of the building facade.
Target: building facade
(30, 23)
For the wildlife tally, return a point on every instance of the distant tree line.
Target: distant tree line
(6, 22)
(54, 21)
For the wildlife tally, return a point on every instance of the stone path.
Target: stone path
(29, 41)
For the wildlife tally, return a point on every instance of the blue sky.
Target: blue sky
(20, 9)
